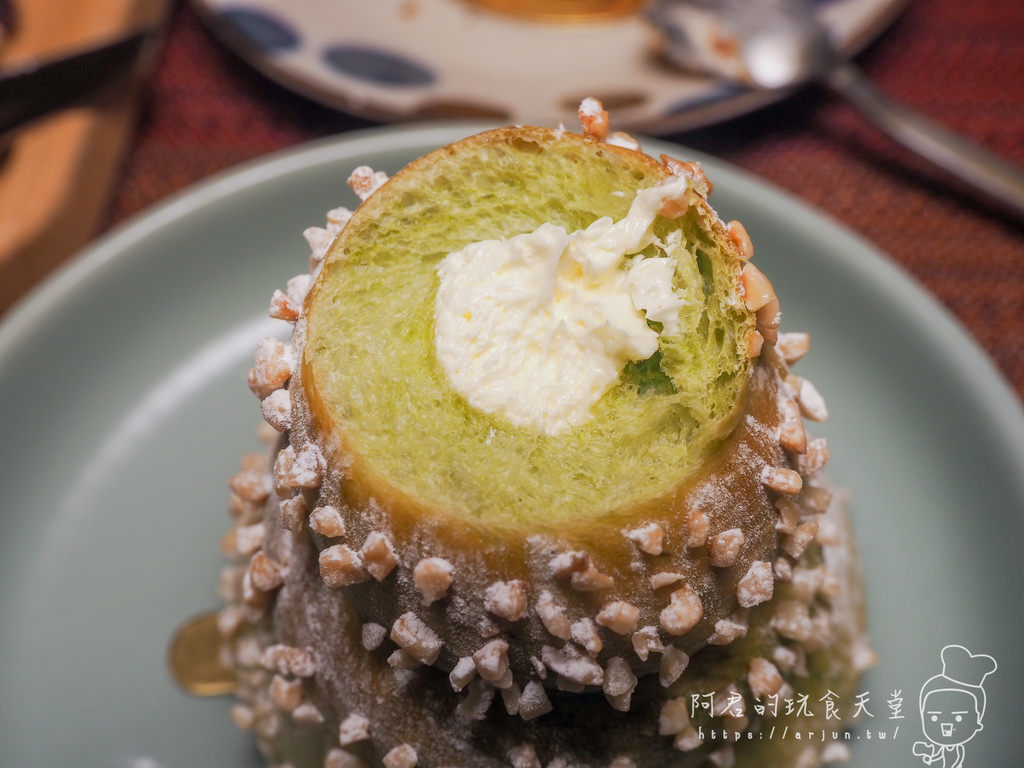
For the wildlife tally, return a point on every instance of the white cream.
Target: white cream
(538, 327)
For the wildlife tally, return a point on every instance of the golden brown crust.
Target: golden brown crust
(315, 678)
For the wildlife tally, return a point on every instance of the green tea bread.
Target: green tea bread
(546, 538)
(540, 445)
(372, 378)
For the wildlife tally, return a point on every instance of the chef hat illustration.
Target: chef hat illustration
(963, 670)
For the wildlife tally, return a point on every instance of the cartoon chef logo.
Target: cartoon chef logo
(952, 706)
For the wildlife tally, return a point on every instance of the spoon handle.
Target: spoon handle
(1000, 182)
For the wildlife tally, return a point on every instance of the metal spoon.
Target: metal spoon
(779, 44)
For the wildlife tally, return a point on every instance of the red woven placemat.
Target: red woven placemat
(960, 63)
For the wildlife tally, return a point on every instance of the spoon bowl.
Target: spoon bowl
(782, 44)
(766, 44)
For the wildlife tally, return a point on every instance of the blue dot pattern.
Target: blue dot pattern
(377, 66)
(261, 29)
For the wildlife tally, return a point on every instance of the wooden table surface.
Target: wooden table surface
(962, 64)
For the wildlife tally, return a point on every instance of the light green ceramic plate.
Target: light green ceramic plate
(124, 411)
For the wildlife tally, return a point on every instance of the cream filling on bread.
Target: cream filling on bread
(537, 327)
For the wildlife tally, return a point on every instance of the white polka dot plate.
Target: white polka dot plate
(414, 59)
